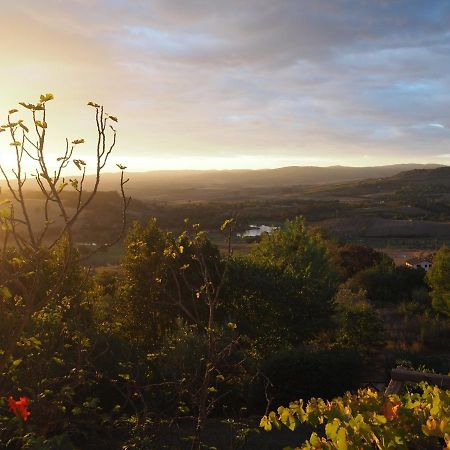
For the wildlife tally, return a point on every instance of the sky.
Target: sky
(200, 84)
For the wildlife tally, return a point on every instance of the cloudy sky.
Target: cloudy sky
(238, 83)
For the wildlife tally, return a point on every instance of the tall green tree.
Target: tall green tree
(141, 309)
(261, 298)
(164, 279)
(300, 253)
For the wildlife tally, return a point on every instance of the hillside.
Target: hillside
(216, 184)
(411, 207)
(230, 185)
(432, 180)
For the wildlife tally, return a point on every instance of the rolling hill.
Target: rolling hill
(434, 181)
(204, 185)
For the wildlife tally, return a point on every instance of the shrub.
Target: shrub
(438, 278)
(358, 322)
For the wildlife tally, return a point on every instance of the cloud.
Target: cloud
(207, 78)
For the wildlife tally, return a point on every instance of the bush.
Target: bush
(438, 278)
(358, 323)
(385, 283)
(260, 298)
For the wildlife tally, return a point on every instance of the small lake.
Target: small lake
(257, 230)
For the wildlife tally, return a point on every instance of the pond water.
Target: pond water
(257, 230)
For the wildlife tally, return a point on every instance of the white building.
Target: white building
(421, 261)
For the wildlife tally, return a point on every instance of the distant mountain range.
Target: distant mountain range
(225, 184)
(175, 180)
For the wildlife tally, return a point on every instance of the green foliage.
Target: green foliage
(439, 279)
(386, 283)
(298, 250)
(301, 253)
(369, 420)
(51, 365)
(39, 274)
(260, 297)
(358, 322)
(142, 291)
(163, 279)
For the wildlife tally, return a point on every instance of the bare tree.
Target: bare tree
(26, 241)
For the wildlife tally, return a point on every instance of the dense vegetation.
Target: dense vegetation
(368, 420)
(182, 345)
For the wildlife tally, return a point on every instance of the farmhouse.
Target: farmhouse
(421, 261)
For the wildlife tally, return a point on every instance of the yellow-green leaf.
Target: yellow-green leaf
(41, 123)
(265, 423)
(46, 97)
(24, 127)
(28, 105)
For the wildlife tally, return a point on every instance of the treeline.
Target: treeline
(105, 211)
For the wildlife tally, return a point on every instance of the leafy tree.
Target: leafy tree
(377, 281)
(174, 281)
(141, 310)
(438, 278)
(163, 280)
(301, 253)
(260, 297)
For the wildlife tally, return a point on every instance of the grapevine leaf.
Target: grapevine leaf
(265, 423)
(341, 439)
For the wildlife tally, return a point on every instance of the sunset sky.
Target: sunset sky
(237, 84)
